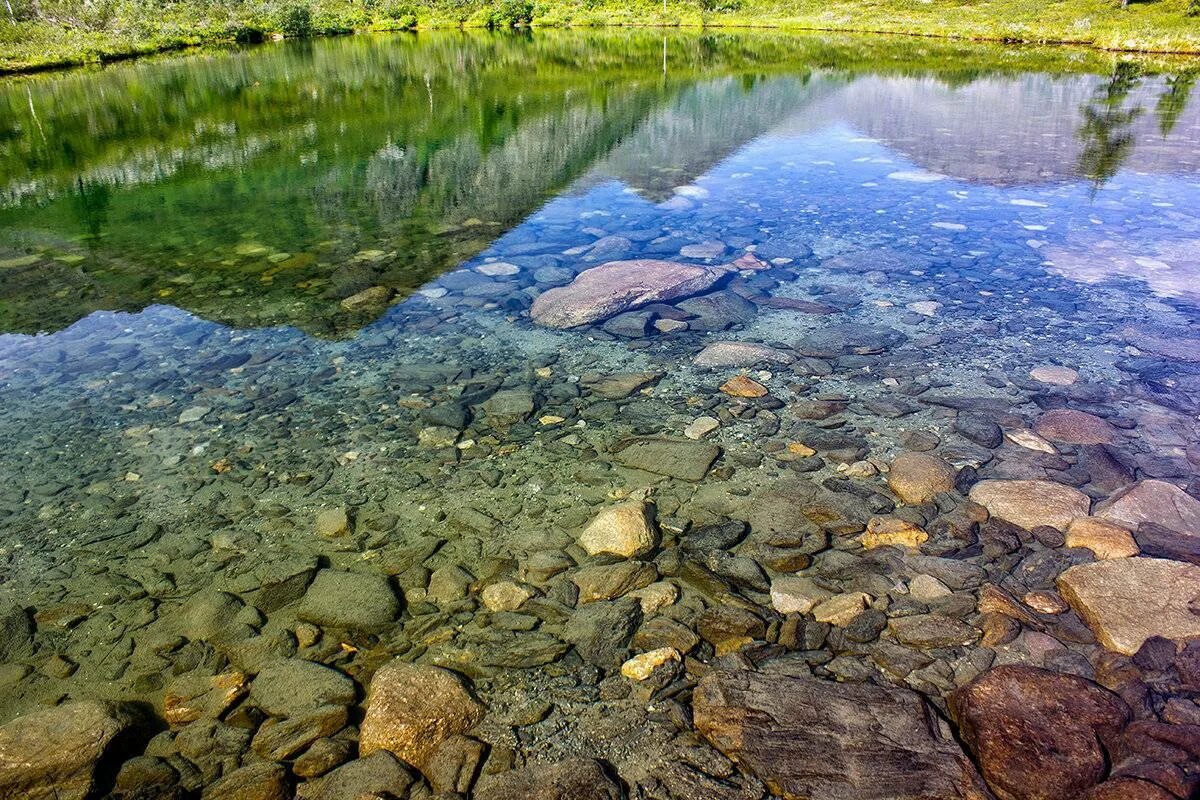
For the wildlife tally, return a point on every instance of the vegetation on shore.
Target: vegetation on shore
(45, 33)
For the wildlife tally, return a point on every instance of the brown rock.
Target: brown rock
(625, 530)
(919, 477)
(54, 754)
(811, 739)
(254, 782)
(885, 531)
(1127, 789)
(1074, 427)
(1031, 503)
(1105, 539)
(1125, 601)
(741, 386)
(740, 354)
(412, 708)
(569, 779)
(1038, 735)
(1159, 502)
(607, 290)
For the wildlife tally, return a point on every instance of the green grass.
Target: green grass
(68, 32)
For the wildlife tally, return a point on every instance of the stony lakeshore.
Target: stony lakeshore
(697, 495)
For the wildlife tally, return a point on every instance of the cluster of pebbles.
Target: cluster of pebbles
(752, 518)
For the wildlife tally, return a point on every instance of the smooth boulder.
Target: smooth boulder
(1031, 503)
(1154, 501)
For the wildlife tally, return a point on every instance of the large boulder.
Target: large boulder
(376, 775)
(812, 739)
(609, 289)
(1125, 601)
(1031, 504)
(1036, 734)
(1074, 427)
(60, 753)
(919, 477)
(1159, 502)
(570, 779)
(291, 687)
(413, 708)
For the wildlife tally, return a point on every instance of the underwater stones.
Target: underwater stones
(350, 600)
(1074, 427)
(193, 414)
(980, 429)
(742, 386)
(849, 338)
(841, 609)
(1105, 539)
(708, 249)
(643, 665)
(1054, 375)
(16, 633)
(610, 581)
(625, 530)
(568, 779)
(813, 739)
(601, 631)
(379, 774)
(1030, 441)
(893, 531)
(740, 354)
(1126, 601)
(374, 297)
(504, 596)
(700, 427)
(196, 696)
(619, 386)
(931, 630)
(917, 478)
(1031, 503)
(796, 594)
(604, 291)
(292, 687)
(675, 458)
(265, 781)
(1153, 501)
(1036, 734)
(717, 311)
(55, 753)
(332, 522)
(508, 407)
(413, 708)
(207, 614)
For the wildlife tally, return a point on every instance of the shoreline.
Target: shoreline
(219, 41)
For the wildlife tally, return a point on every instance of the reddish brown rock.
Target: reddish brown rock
(604, 291)
(919, 477)
(1038, 735)
(811, 739)
(570, 779)
(1127, 789)
(1159, 502)
(1074, 427)
(1031, 504)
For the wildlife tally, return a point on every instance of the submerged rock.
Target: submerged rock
(919, 477)
(351, 600)
(626, 530)
(1074, 427)
(1154, 501)
(604, 291)
(740, 354)
(1031, 504)
(1126, 601)
(812, 739)
(570, 779)
(676, 458)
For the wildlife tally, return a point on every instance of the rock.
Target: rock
(193, 414)
(626, 530)
(841, 609)
(980, 429)
(927, 589)
(612, 580)
(376, 775)
(1054, 375)
(412, 708)
(254, 782)
(609, 289)
(332, 522)
(794, 594)
(372, 298)
(568, 779)
(717, 311)
(832, 341)
(291, 687)
(505, 596)
(893, 531)
(1159, 542)
(1036, 734)
(1030, 441)
(1105, 539)
(675, 458)
(1154, 501)
(740, 354)
(197, 695)
(352, 600)
(601, 631)
(209, 613)
(931, 630)
(56, 753)
(1126, 601)
(619, 386)
(1074, 427)
(741, 386)
(701, 427)
(1127, 789)
(497, 269)
(812, 739)
(507, 407)
(16, 633)
(917, 478)
(641, 667)
(709, 249)
(1031, 503)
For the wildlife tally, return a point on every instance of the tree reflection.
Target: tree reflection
(1174, 99)
(1107, 130)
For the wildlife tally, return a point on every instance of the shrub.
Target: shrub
(396, 14)
(1193, 8)
(294, 19)
(507, 13)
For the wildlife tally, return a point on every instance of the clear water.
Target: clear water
(182, 390)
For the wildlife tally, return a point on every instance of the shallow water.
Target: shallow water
(184, 388)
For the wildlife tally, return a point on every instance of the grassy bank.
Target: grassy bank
(47, 33)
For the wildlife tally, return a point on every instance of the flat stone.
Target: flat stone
(931, 630)
(371, 298)
(609, 289)
(642, 666)
(504, 596)
(795, 594)
(377, 775)
(894, 532)
(332, 522)
(609, 581)
(1074, 427)
(700, 427)
(1030, 441)
(567, 779)
(1154, 501)
(1105, 539)
(1031, 503)
(351, 600)
(55, 753)
(675, 458)
(626, 530)
(917, 478)
(740, 354)
(253, 782)
(841, 609)
(1126, 601)
(412, 708)
(813, 739)
(742, 386)
(291, 687)
(1054, 375)
(621, 385)
(1036, 734)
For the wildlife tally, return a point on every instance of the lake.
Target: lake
(601, 414)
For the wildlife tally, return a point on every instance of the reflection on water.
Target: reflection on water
(294, 401)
